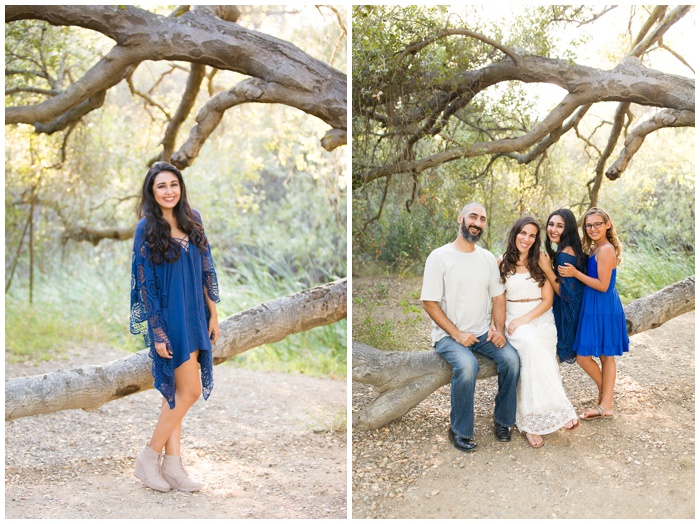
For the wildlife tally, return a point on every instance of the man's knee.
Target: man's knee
(508, 358)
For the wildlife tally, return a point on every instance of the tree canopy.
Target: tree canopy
(96, 94)
(436, 85)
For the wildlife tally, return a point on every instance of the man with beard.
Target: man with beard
(464, 296)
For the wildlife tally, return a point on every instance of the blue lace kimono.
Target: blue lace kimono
(168, 305)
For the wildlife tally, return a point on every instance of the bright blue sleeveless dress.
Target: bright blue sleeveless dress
(168, 305)
(566, 310)
(602, 327)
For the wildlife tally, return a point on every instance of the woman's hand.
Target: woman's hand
(214, 330)
(545, 261)
(515, 324)
(567, 270)
(162, 350)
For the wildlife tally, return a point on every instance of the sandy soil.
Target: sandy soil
(266, 445)
(641, 464)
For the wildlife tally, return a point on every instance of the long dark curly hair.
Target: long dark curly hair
(157, 232)
(512, 255)
(569, 238)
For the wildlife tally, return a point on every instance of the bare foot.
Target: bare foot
(572, 424)
(598, 412)
(535, 441)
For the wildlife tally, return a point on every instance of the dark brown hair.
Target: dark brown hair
(157, 232)
(512, 255)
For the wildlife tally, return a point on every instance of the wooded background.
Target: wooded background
(524, 109)
(250, 101)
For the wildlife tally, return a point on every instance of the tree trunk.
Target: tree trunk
(90, 387)
(404, 379)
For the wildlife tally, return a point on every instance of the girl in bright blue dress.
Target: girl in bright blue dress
(568, 291)
(602, 327)
(174, 291)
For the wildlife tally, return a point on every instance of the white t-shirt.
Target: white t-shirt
(463, 284)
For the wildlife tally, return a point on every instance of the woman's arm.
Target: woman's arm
(547, 298)
(607, 261)
(545, 262)
(214, 330)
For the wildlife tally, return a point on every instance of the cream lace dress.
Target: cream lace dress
(542, 403)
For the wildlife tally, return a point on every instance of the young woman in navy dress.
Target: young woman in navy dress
(174, 291)
(562, 231)
(602, 328)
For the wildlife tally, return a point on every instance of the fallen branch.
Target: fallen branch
(89, 387)
(404, 379)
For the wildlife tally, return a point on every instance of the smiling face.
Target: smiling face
(472, 221)
(525, 238)
(555, 228)
(166, 190)
(596, 227)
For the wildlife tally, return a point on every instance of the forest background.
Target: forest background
(443, 115)
(398, 220)
(272, 199)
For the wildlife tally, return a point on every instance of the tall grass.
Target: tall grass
(260, 276)
(84, 301)
(650, 265)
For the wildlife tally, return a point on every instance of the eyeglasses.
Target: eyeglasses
(595, 226)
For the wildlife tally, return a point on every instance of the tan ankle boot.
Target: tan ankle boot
(148, 470)
(175, 475)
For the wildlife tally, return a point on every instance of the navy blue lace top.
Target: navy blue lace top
(168, 305)
(566, 308)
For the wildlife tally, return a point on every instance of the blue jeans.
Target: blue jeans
(465, 367)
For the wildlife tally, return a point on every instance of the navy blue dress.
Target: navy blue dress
(602, 327)
(566, 308)
(168, 305)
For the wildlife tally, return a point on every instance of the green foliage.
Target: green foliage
(273, 201)
(372, 304)
(649, 266)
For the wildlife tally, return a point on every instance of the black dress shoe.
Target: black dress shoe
(502, 432)
(461, 443)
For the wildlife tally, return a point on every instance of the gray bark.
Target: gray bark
(404, 379)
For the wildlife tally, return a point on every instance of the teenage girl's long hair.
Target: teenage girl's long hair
(611, 234)
(512, 255)
(569, 238)
(158, 238)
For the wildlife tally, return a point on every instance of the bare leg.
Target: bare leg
(172, 446)
(590, 366)
(609, 376)
(187, 390)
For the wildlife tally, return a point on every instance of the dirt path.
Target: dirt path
(640, 464)
(264, 445)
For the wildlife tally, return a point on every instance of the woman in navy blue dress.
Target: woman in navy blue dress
(602, 328)
(568, 291)
(174, 291)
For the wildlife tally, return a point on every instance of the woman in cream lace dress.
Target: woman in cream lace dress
(542, 403)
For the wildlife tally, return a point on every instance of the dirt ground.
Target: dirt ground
(266, 445)
(641, 464)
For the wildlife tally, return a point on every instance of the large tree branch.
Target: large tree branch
(630, 82)
(666, 118)
(194, 80)
(404, 379)
(86, 234)
(90, 387)
(141, 35)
